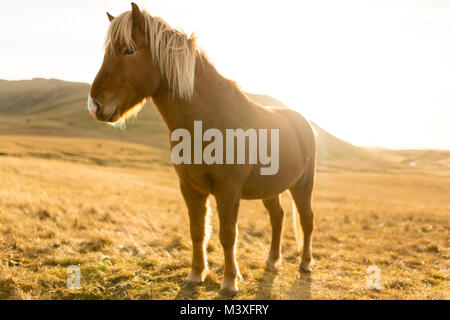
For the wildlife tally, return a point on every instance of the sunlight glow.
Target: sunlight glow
(131, 113)
(374, 73)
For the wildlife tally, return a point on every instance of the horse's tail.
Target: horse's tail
(297, 227)
(208, 227)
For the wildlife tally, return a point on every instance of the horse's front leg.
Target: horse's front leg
(228, 206)
(196, 203)
(276, 220)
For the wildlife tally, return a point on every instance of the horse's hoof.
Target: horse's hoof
(229, 292)
(273, 264)
(189, 286)
(195, 277)
(229, 288)
(305, 268)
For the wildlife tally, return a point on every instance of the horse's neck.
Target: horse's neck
(216, 101)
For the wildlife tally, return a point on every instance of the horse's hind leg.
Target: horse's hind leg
(196, 203)
(276, 220)
(302, 194)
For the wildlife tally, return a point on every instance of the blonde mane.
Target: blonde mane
(172, 50)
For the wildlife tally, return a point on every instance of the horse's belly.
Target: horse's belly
(208, 179)
(259, 186)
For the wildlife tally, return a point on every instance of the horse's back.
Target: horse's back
(305, 131)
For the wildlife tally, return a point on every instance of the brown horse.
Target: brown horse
(146, 58)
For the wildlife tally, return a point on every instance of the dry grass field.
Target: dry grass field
(113, 208)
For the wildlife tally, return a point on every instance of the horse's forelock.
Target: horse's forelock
(173, 51)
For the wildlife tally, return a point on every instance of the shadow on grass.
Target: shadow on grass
(191, 291)
(266, 284)
(301, 288)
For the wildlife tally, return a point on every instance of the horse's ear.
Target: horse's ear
(138, 19)
(110, 17)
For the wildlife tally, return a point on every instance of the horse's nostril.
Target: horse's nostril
(98, 107)
(95, 108)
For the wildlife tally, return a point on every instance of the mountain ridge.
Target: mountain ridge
(58, 108)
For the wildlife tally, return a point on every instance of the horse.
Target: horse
(145, 58)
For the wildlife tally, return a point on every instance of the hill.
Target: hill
(58, 108)
(53, 107)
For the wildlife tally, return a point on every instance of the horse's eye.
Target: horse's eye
(129, 52)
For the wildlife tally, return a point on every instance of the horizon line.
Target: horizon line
(254, 93)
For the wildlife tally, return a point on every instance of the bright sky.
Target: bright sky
(374, 73)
